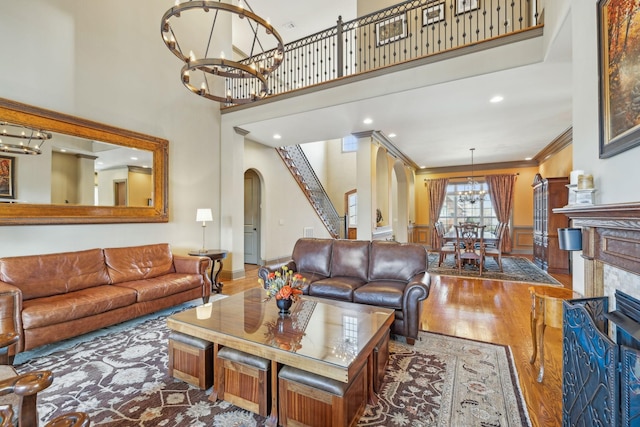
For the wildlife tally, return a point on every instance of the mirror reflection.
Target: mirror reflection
(71, 170)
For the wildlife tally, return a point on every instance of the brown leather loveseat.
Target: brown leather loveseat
(380, 273)
(48, 298)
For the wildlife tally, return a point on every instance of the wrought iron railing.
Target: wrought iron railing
(407, 31)
(299, 166)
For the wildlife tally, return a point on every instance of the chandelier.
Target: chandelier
(217, 77)
(25, 136)
(474, 191)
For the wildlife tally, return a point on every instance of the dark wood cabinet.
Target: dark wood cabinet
(549, 193)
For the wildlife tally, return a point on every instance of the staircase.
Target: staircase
(299, 166)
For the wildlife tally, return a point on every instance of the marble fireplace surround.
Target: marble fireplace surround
(610, 246)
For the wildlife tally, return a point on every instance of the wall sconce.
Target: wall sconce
(570, 239)
(204, 216)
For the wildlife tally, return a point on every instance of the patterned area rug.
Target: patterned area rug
(515, 269)
(121, 379)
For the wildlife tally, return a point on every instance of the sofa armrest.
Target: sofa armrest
(416, 291)
(195, 265)
(11, 314)
(264, 271)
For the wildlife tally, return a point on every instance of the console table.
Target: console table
(216, 255)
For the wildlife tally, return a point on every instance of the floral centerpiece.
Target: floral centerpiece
(284, 285)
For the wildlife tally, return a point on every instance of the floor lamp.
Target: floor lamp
(204, 216)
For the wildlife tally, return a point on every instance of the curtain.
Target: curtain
(437, 191)
(501, 191)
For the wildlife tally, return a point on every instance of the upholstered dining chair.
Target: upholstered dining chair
(443, 249)
(470, 245)
(18, 394)
(495, 250)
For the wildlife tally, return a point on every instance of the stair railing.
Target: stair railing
(299, 166)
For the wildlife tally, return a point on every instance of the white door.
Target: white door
(251, 218)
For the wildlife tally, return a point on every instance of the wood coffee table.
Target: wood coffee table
(329, 338)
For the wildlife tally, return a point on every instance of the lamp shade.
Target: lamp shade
(204, 215)
(570, 239)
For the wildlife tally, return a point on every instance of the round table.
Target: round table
(546, 310)
(216, 255)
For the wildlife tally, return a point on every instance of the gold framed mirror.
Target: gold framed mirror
(90, 142)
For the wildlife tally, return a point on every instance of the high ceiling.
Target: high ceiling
(436, 124)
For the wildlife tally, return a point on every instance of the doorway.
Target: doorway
(120, 192)
(252, 195)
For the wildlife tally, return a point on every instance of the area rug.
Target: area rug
(515, 269)
(120, 379)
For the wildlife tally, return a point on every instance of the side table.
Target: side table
(216, 255)
(546, 310)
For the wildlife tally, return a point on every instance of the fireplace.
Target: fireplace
(601, 377)
(601, 348)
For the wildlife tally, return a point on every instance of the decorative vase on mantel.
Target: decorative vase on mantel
(284, 304)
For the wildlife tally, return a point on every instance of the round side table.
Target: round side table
(216, 255)
(546, 310)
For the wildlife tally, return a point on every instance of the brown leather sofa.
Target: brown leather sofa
(48, 298)
(380, 273)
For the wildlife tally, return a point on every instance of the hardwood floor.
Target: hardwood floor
(491, 311)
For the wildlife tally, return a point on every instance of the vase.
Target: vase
(284, 305)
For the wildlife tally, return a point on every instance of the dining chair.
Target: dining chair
(443, 248)
(495, 250)
(470, 245)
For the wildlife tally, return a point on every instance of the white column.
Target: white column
(232, 198)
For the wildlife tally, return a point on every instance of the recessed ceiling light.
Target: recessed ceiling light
(392, 135)
(62, 150)
(528, 158)
(277, 136)
(423, 167)
(367, 121)
(134, 158)
(496, 99)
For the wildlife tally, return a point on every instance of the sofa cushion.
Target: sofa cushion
(40, 276)
(350, 258)
(160, 287)
(396, 261)
(138, 262)
(56, 309)
(381, 293)
(335, 288)
(313, 256)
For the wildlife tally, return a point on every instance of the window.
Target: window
(455, 211)
(349, 144)
(352, 208)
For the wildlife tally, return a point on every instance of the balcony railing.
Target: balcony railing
(399, 34)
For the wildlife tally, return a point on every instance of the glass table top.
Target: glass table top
(323, 330)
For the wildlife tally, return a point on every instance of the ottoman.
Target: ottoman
(191, 360)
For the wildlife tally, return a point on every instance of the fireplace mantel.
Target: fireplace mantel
(611, 236)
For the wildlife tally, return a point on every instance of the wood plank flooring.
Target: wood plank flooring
(491, 311)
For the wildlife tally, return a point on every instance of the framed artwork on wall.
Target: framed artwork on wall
(7, 177)
(432, 14)
(619, 68)
(392, 29)
(463, 6)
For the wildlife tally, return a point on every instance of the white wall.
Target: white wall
(106, 61)
(285, 209)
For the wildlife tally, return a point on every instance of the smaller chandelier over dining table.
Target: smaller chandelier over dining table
(473, 191)
(198, 32)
